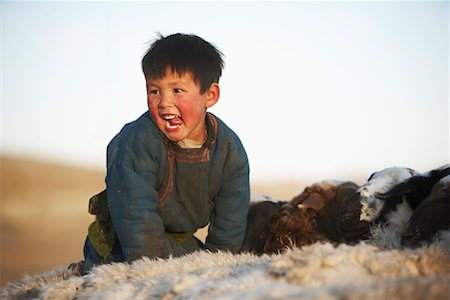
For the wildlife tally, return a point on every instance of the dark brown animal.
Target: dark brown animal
(259, 218)
(351, 228)
(430, 217)
(292, 227)
(318, 213)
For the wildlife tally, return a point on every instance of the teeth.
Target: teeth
(170, 117)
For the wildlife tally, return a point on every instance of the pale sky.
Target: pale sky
(315, 90)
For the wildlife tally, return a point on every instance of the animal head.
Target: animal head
(292, 227)
(296, 224)
(414, 189)
(259, 217)
(378, 183)
(317, 195)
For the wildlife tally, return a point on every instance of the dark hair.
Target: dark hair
(184, 53)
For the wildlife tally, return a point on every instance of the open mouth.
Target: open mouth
(172, 122)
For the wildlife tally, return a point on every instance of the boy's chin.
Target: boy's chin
(173, 135)
(172, 138)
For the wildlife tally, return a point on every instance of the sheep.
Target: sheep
(430, 217)
(339, 211)
(351, 228)
(259, 216)
(391, 203)
(411, 192)
(292, 226)
(314, 215)
(380, 182)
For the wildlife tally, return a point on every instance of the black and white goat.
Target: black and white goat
(392, 208)
(379, 182)
(411, 192)
(431, 217)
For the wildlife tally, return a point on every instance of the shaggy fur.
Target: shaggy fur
(380, 182)
(395, 207)
(260, 216)
(410, 192)
(292, 227)
(317, 214)
(317, 271)
(430, 217)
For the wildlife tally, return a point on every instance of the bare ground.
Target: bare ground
(44, 218)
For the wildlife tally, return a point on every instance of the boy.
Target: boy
(174, 169)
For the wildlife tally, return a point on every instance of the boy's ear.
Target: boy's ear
(213, 94)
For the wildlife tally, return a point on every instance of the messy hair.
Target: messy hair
(184, 53)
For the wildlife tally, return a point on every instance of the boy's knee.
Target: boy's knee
(93, 258)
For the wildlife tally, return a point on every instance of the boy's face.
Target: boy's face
(178, 108)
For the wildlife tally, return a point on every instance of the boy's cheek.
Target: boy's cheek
(149, 101)
(153, 113)
(191, 111)
(152, 106)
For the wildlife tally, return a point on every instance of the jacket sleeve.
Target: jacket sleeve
(229, 217)
(132, 196)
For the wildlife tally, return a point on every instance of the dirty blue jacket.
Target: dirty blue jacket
(155, 187)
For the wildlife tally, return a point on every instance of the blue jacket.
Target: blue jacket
(155, 187)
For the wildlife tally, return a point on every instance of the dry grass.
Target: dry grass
(44, 215)
(44, 218)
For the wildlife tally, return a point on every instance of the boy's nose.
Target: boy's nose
(166, 101)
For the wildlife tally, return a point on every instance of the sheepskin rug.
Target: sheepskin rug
(318, 271)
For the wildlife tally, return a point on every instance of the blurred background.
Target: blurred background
(315, 90)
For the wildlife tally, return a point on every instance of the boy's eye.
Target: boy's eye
(176, 91)
(154, 92)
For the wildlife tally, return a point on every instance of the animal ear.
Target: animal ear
(345, 191)
(314, 201)
(395, 192)
(371, 176)
(311, 211)
(381, 196)
(297, 199)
